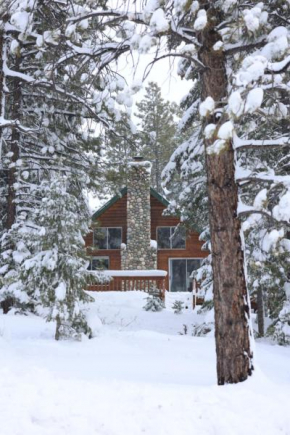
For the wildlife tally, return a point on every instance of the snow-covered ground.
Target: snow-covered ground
(137, 376)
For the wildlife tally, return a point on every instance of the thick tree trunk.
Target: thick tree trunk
(232, 334)
(1, 72)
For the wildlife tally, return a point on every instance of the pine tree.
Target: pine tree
(220, 35)
(60, 81)
(118, 147)
(54, 271)
(157, 125)
(154, 303)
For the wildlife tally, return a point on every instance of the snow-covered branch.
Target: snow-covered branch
(239, 143)
(230, 49)
(4, 123)
(122, 15)
(278, 67)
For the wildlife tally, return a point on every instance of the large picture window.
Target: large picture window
(180, 270)
(171, 238)
(99, 263)
(108, 238)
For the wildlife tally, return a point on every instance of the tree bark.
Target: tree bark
(260, 312)
(11, 172)
(14, 148)
(57, 328)
(232, 333)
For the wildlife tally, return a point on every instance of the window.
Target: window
(108, 238)
(180, 273)
(171, 237)
(99, 263)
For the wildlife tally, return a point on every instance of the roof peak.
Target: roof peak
(123, 192)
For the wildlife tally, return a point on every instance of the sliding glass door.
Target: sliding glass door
(180, 270)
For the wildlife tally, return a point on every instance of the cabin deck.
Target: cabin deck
(152, 282)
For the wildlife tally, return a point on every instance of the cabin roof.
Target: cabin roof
(123, 192)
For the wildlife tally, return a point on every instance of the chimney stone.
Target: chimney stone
(138, 253)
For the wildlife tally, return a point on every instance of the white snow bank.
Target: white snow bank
(133, 379)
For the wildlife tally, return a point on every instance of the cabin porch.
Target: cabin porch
(152, 282)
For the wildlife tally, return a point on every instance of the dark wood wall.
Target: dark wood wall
(115, 216)
(193, 244)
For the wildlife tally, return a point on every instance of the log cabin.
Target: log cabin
(130, 233)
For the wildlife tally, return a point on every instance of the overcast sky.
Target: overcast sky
(164, 73)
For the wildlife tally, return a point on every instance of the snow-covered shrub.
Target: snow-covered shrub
(201, 330)
(185, 330)
(153, 303)
(178, 306)
(281, 329)
(206, 324)
(95, 324)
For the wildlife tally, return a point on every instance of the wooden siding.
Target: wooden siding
(193, 244)
(115, 216)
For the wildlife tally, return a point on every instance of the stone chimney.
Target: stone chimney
(138, 253)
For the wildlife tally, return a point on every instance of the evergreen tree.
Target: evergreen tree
(119, 147)
(52, 266)
(60, 274)
(155, 139)
(158, 138)
(60, 82)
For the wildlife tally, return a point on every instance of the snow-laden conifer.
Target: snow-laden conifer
(58, 86)
(55, 273)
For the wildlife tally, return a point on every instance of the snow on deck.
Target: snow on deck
(138, 273)
(138, 376)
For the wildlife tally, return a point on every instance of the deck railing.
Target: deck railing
(149, 281)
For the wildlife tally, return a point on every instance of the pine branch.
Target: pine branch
(240, 144)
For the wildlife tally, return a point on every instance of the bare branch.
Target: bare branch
(249, 212)
(274, 14)
(191, 59)
(134, 16)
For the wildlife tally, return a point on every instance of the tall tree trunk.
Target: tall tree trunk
(157, 167)
(232, 334)
(14, 148)
(11, 173)
(2, 42)
(3, 180)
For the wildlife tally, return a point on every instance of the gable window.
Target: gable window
(108, 238)
(99, 263)
(171, 237)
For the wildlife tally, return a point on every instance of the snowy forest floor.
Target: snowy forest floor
(137, 376)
